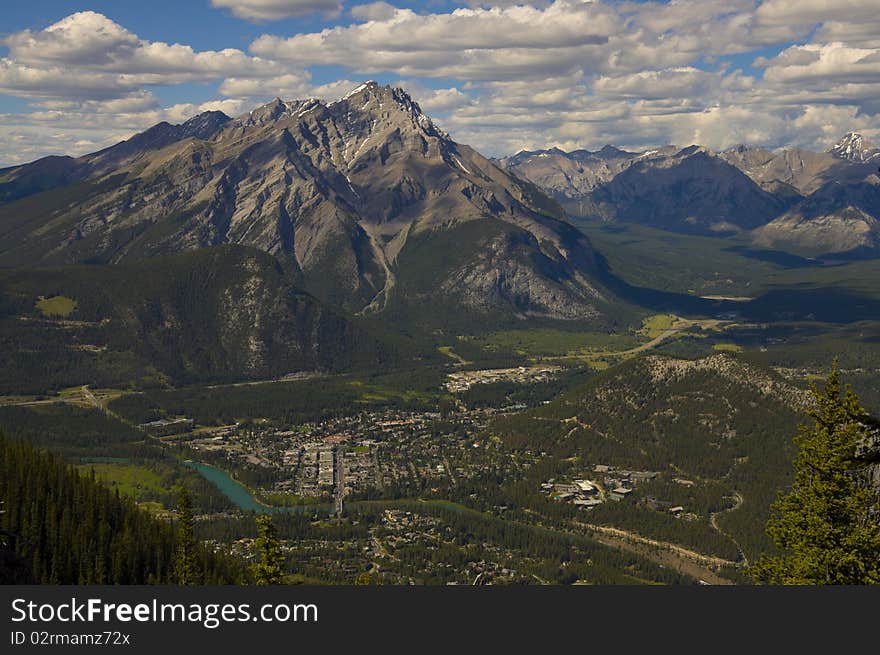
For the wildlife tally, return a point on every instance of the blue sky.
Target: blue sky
(77, 76)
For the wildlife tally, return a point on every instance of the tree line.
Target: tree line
(63, 527)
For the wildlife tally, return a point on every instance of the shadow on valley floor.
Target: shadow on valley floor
(777, 257)
(789, 260)
(827, 305)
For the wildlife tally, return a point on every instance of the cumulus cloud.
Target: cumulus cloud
(830, 62)
(266, 10)
(87, 55)
(434, 101)
(91, 41)
(514, 74)
(466, 43)
(656, 85)
(373, 11)
(291, 85)
(55, 81)
(787, 12)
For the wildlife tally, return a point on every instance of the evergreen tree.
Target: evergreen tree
(60, 526)
(828, 526)
(268, 570)
(186, 569)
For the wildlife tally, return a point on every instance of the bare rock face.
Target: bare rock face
(569, 175)
(690, 191)
(798, 172)
(854, 147)
(814, 203)
(335, 190)
(503, 276)
(838, 218)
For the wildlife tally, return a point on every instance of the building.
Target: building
(642, 476)
(587, 503)
(620, 493)
(166, 426)
(326, 468)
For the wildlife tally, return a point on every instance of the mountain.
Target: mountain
(795, 171)
(835, 208)
(355, 197)
(793, 199)
(854, 147)
(214, 314)
(687, 190)
(837, 218)
(53, 172)
(568, 175)
(719, 419)
(691, 190)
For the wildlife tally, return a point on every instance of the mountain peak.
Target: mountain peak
(609, 150)
(277, 109)
(369, 85)
(372, 90)
(204, 125)
(385, 102)
(271, 111)
(855, 147)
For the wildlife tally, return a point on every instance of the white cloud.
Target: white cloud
(85, 37)
(466, 43)
(655, 85)
(88, 55)
(291, 85)
(78, 129)
(373, 11)
(787, 12)
(830, 62)
(55, 82)
(572, 73)
(265, 10)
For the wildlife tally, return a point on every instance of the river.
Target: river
(241, 497)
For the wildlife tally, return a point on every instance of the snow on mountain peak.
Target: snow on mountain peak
(855, 147)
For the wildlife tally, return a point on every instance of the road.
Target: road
(738, 501)
(697, 565)
(90, 397)
(656, 341)
(648, 345)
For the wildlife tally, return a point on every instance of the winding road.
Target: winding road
(738, 501)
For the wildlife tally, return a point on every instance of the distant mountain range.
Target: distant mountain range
(371, 207)
(792, 199)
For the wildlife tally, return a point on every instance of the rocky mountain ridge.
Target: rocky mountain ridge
(792, 199)
(339, 192)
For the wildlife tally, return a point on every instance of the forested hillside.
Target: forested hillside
(214, 314)
(715, 421)
(61, 527)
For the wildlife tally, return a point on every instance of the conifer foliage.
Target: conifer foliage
(186, 567)
(828, 525)
(268, 570)
(67, 528)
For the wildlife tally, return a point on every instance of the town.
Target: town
(373, 454)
